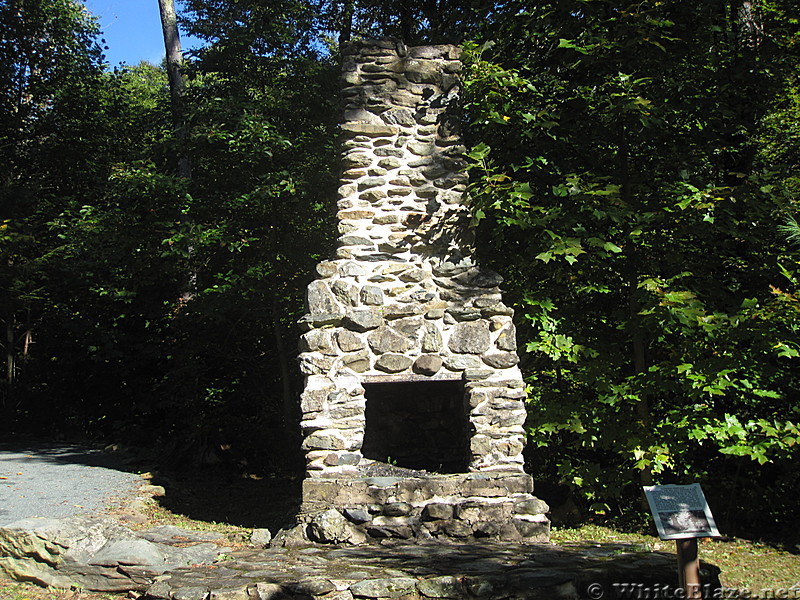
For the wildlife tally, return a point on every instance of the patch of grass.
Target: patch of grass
(746, 565)
(159, 515)
(13, 590)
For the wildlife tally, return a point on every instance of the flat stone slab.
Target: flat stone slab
(486, 571)
(98, 553)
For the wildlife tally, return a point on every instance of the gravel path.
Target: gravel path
(56, 481)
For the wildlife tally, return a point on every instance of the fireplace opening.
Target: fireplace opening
(417, 425)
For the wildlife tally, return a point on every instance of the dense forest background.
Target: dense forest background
(635, 175)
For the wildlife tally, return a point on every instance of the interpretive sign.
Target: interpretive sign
(680, 511)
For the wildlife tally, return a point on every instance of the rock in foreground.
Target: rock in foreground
(97, 553)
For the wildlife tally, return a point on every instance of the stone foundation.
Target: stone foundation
(409, 353)
(464, 507)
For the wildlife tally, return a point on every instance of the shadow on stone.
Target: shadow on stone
(489, 570)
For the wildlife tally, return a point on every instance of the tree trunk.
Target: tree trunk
(638, 342)
(10, 354)
(406, 22)
(177, 82)
(177, 92)
(290, 403)
(346, 31)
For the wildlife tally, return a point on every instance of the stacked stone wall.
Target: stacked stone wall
(403, 299)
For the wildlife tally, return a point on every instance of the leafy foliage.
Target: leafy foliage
(634, 177)
(619, 175)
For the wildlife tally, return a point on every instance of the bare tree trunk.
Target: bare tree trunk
(177, 91)
(177, 82)
(289, 402)
(638, 341)
(11, 366)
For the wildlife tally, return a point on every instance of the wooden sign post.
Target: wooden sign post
(682, 514)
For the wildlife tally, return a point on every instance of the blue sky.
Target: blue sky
(132, 30)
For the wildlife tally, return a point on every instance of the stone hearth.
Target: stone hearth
(413, 405)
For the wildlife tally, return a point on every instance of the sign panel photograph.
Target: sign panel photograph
(680, 511)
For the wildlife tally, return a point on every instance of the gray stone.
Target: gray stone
(355, 215)
(371, 295)
(534, 506)
(320, 299)
(399, 116)
(356, 159)
(329, 527)
(389, 152)
(458, 529)
(349, 341)
(342, 458)
(349, 458)
(371, 182)
(268, 591)
(501, 360)
(291, 537)
(169, 534)
(238, 592)
(322, 440)
(369, 129)
(127, 552)
(497, 309)
(357, 515)
(533, 530)
(261, 537)
(444, 586)
(352, 269)
(326, 268)
(390, 587)
(397, 509)
(460, 313)
(459, 362)
(355, 240)
(414, 275)
(387, 339)
(427, 364)
(507, 340)
(312, 400)
(421, 149)
(312, 586)
(393, 363)
(185, 593)
(470, 338)
(449, 269)
(358, 361)
(317, 340)
(345, 292)
(390, 162)
(477, 374)
(432, 339)
(436, 511)
(363, 320)
(408, 327)
(91, 553)
(154, 491)
(386, 219)
(313, 363)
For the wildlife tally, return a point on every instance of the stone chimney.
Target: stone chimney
(413, 405)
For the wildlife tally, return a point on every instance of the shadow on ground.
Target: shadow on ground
(224, 496)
